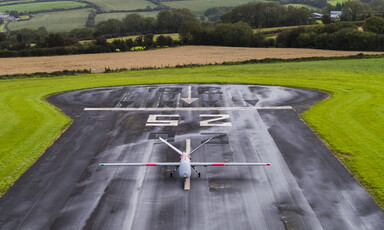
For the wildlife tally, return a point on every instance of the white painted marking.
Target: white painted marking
(189, 108)
(152, 120)
(178, 100)
(188, 145)
(219, 117)
(189, 99)
(187, 184)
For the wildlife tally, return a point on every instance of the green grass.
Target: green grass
(334, 2)
(60, 21)
(120, 16)
(351, 121)
(200, 6)
(2, 27)
(11, 2)
(302, 5)
(42, 6)
(122, 4)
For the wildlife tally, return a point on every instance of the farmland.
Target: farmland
(120, 16)
(11, 2)
(334, 2)
(54, 21)
(122, 4)
(351, 121)
(158, 58)
(200, 6)
(42, 6)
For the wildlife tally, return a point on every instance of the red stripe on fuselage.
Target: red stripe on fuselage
(218, 164)
(185, 155)
(150, 164)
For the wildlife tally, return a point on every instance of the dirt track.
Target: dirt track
(158, 58)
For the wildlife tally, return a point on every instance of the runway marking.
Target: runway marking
(190, 108)
(217, 117)
(152, 120)
(188, 145)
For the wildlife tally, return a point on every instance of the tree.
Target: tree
(355, 10)
(3, 37)
(374, 24)
(148, 41)
(82, 33)
(188, 30)
(129, 43)
(239, 34)
(171, 20)
(161, 41)
(111, 26)
(326, 19)
(138, 41)
(377, 7)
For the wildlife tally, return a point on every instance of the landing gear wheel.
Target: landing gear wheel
(198, 174)
(170, 175)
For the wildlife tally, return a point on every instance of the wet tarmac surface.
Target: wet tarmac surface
(305, 187)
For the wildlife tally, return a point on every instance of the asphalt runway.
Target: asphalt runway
(305, 187)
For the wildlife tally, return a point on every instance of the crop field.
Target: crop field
(158, 58)
(42, 6)
(200, 6)
(351, 121)
(60, 21)
(120, 16)
(122, 4)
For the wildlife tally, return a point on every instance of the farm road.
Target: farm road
(158, 58)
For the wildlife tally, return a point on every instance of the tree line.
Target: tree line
(336, 36)
(263, 15)
(19, 44)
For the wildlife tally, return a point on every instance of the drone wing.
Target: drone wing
(142, 164)
(171, 146)
(201, 145)
(205, 164)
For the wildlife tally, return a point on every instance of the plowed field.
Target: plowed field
(157, 58)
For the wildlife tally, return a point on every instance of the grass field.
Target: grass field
(120, 16)
(42, 6)
(11, 2)
(334, 2)
(351, 121)
(200, 6)
(302, 5)
(60, 21)
(122, 4)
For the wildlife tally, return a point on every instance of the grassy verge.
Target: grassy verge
(351, 121)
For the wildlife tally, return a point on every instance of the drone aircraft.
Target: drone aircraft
(185, 165)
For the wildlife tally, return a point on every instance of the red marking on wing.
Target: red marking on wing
(150, 164)
(268, 164)
(218, 164)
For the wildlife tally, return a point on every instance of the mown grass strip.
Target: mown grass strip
(351, 121)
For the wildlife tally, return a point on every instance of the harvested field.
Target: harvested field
(158, 58)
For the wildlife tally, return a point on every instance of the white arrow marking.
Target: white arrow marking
(189, 99)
